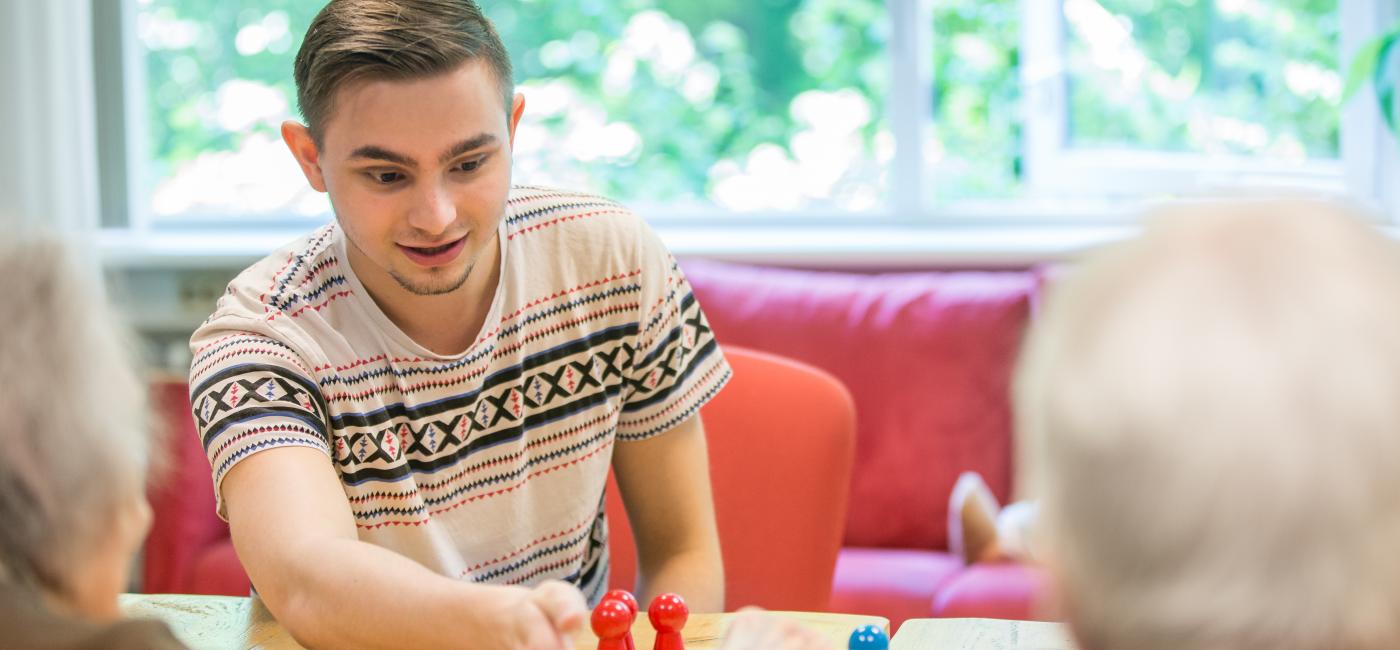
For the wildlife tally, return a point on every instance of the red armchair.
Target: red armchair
(188, 549)
(781, 438)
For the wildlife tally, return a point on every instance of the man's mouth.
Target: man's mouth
(433, 250)
(437, 255)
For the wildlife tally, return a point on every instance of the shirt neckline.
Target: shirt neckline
(391, 331)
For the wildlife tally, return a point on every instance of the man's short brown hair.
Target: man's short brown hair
(351, 40)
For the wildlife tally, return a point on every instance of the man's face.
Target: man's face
(418, 172)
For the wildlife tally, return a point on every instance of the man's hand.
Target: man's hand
(286, 506)
(542, 618)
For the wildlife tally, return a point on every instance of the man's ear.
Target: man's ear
(303, 148)
(517, 108)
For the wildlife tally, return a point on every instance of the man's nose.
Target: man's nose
(434, 212)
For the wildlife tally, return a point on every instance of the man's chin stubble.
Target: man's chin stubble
(432, 288)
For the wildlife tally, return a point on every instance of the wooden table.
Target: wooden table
(980, 634)
(228, 622)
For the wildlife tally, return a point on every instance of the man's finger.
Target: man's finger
(562, 603)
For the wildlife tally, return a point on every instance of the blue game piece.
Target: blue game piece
(869, 637)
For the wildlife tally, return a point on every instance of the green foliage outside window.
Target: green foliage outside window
(1378, 64)
(1237, 77)
(756, 104)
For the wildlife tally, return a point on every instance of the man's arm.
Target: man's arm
(295, 534)
(665, 484)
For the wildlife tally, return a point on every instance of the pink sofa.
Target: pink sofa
(928, 358)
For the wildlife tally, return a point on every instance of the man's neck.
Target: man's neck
(445, 324)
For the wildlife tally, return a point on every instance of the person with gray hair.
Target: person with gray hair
(74, 453)
(1209, 415)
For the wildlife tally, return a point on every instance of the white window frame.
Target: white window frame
(1370, 152)
(912, 226)
(1056, 169)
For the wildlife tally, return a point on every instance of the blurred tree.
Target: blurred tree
(1244, 77)
(700, 103)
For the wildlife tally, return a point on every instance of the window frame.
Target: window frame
(1055, 169)
(1368, 153)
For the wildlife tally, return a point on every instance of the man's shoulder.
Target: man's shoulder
(288, 278)
(272, 298)
(537, 208)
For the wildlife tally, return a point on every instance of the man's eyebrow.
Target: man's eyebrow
(380, 153)
(474, 142)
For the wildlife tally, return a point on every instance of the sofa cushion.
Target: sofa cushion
(927, 357)
(896, 584)
(1010, 591)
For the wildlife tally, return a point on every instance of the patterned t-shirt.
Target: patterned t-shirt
(488, 465)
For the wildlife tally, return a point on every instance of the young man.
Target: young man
(410, 414)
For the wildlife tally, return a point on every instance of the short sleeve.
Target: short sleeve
(677, 365)
(251, 393)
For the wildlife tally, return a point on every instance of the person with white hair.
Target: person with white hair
(1210, 416)
(74, 451)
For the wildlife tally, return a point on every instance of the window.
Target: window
(1144, 96)
(800, 108)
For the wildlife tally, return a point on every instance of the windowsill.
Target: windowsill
(866, 246)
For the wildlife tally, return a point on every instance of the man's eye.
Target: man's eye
(386, 178)
(470, 165)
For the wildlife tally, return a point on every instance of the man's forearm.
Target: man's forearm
(697, 576)
(348, 593)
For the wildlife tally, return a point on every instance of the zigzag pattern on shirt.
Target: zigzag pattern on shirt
(582, 525)
(482, 482)
(309, 296)
(250, 432)
(249, 391)
(448, 482)
(232, 340)
(398, 410)
(494, 493)
(708, 378)
(526, 193)
(321, 305)
(376, 447)
(574, 558)
(582, 204)
(265, 443)
(593, 577)
(494, 351)
(256, 348)
(660, 314)
(683, 414)
(592, 559)
(674, 365)
(283, 278)
(439, 368)
(575, 544)
(573, 216)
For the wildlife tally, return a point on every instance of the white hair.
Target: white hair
(73, 438)
(1211, 412)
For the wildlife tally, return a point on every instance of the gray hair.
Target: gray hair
(73, 438)
(1212, 415)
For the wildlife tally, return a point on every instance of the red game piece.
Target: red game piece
(612, 623)
(631, 601)
(668, 614)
